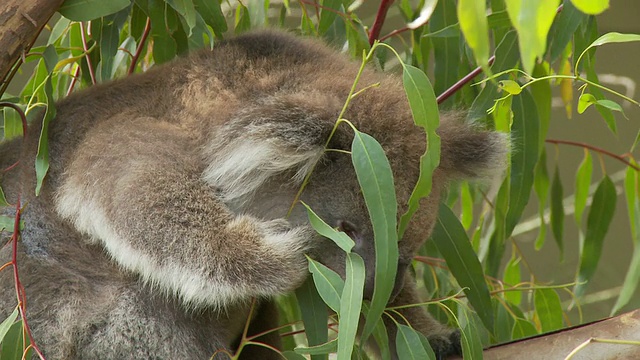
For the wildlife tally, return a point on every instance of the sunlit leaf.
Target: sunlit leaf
(512, 277)
(600, 215)
(532, 20)
(585, 101)
(510, 86)
(609, 38)
(591, 7)
(472, 15)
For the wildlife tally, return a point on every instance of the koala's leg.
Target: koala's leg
(265, 319)
(444, 340)
(139, 193)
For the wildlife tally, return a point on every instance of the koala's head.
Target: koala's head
(260, 157)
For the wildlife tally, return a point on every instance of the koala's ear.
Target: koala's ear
(468, 152)
(275, 135)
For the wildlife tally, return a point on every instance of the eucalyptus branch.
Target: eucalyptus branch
(596, 149)
(381, 15)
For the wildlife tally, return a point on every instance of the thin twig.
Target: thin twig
(18, 286)
(86, 51)
(462, 82)
(381, 15)
(143, 40)
(594, 148)
(74, 79)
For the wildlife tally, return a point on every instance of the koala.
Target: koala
(164, 214)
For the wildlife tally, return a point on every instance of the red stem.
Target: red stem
(374, 34)
(143, 40)
(594, 148)
(86, 51)
(18, 286)
(462, 82)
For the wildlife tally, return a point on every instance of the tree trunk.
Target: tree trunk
(20, 24)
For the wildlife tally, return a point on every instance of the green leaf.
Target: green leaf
(85, 10)
(541, 186)
(608, 38)
(328, 14)
(600, 215)
(563, 29)
(632, 197)
(212, 15)
(424, 109)
(12, 346)
(408, 344)
(446, 51)
(510, 86)
(523, 328)
(376, 181)
(532, 20)
(631, 280)
(187, 10)
(512, 277)
(340, 238)
(548, 309)
(7, 323)
(585, 101)
(591, 7)
(165, 48)
(466, 205)
(506, 58)
(328, 283)
(108, 41)
(318, 350)
(12, 123)
(611, 105)
(524, 155)
(314, 315)
(350, 304)
(42, 157)
(472, 15)
(452, 242)
(3, 199)
(380, 335)
(242, 19)
(292, 355)
(557, 211)
(583, 181)
(470, 337)
(541, 92)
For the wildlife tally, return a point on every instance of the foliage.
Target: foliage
(537, 46)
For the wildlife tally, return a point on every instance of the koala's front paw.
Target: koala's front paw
(447, 344)
(284, 237)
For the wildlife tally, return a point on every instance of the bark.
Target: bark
(20, 24)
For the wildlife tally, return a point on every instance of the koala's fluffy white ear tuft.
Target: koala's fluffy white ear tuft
(274, 136)
(470, 153)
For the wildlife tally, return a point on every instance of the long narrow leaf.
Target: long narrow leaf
(598, 221)
(314, 315)
(350, 304)
(376, 181)
(452, 242)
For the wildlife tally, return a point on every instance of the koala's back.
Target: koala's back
(80, 304)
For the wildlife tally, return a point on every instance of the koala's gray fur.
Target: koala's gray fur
(163, 212)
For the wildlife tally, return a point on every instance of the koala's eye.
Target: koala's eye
(349, 229)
